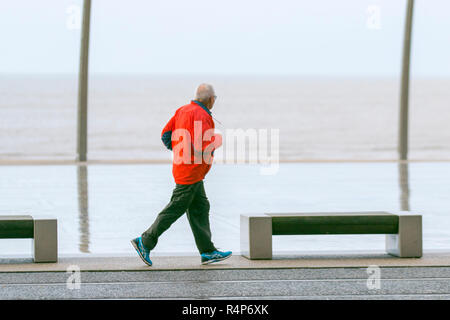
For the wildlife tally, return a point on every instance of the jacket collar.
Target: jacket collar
(202, 105)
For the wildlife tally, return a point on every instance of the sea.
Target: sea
(316, 118)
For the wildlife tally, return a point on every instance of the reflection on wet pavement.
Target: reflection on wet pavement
(83, 207)
(404, 186)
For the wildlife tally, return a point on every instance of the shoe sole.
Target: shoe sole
(139, 252)
(216, 260)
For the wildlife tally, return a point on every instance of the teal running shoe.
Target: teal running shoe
(143, 253)
(215, 256)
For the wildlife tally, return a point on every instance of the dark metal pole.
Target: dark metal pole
(83, 84)
(403, 119)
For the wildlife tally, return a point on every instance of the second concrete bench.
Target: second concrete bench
(403, 230)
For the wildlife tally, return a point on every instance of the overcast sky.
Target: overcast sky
(323, 37)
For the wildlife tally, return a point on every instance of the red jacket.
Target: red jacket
(190, 134)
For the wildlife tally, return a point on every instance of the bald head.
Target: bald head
(205, 94)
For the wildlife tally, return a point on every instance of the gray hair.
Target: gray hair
(204, 92)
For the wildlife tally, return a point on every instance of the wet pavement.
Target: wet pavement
(100, 207)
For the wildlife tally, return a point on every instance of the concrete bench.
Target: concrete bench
(403, 230)
(42, 230)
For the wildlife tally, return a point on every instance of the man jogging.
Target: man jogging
(190, 135)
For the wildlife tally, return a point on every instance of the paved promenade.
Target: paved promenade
(99, 210)
(308, 277)
(177, 263)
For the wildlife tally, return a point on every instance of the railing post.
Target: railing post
(403, 119)
(83, 84)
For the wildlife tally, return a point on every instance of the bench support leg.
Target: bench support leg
(256, 237)
(408, 242)
(45, 242)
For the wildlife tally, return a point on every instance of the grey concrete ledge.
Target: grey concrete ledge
(174, 263)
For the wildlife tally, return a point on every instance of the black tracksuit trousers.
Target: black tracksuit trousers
(191, 199)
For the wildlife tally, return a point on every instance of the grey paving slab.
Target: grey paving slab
(225, 275)
(208, 289)
(326, 283)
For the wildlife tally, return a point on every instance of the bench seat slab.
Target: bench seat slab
(334, 223)
(16, 227)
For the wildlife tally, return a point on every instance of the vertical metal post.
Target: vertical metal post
(403, 119)
(83, 84)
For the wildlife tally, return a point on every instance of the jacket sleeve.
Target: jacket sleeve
(166, 134)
